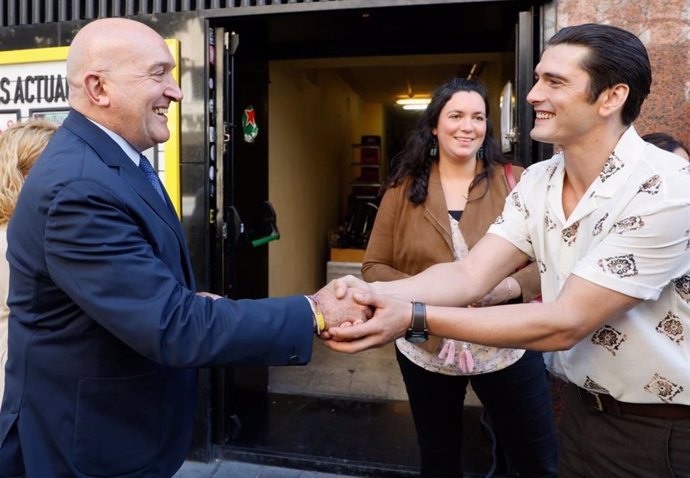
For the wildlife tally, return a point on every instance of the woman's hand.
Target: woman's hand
(506, 290)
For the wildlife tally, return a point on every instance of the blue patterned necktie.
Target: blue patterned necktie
(151, 175)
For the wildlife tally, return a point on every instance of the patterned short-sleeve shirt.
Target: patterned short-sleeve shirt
(630, 233)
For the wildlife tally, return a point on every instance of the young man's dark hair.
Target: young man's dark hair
(615, 56)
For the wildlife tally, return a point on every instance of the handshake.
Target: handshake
(339, 307)
(347, 304)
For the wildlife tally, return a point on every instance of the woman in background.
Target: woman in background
(668, 143)
(20, 146)
(447, 187)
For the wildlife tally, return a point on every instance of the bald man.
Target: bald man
(106, 329)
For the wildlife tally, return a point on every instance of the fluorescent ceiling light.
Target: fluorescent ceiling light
(419, 106)
(413, 101)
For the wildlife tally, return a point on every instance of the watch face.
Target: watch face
(416, 337)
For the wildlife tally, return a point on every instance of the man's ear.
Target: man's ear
(613, 99)
(96, 88)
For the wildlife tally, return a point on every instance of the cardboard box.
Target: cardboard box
(347, 255)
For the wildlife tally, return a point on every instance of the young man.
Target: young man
(105, 326)
(608, 222)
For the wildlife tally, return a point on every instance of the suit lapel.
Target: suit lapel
(112, 156)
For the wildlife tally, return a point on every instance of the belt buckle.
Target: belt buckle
(597, 405)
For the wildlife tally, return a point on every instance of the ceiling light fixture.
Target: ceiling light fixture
(413, 101)
(420, 106)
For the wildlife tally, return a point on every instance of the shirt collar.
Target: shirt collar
(626, 154)
(131, 153)
(613, 175)
(620, 165)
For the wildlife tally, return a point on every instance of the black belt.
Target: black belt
(608, 404)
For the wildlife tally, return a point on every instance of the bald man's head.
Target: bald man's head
(119, 74)
(103, 45)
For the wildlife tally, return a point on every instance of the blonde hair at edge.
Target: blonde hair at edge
(20, 145)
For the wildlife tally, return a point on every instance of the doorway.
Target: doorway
(331, 78)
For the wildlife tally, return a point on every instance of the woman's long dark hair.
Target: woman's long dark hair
(415, 159)
(665, 141)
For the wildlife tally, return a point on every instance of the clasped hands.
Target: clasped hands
(348, 303)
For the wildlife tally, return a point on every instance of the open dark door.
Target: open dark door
(524, 73)
(527, 52)
(245, 220)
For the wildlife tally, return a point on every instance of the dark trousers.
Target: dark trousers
(517, 400)
(599, 445)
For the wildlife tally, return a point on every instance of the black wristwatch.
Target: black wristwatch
(418, 332)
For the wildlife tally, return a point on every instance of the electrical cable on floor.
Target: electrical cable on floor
(492, 437)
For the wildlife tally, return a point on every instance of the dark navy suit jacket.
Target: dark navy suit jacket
(105, 327)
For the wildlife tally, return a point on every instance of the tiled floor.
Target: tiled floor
(372, 374)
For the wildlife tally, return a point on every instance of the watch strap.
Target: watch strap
(418, 322)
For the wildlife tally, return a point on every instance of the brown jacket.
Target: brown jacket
(408, 238)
